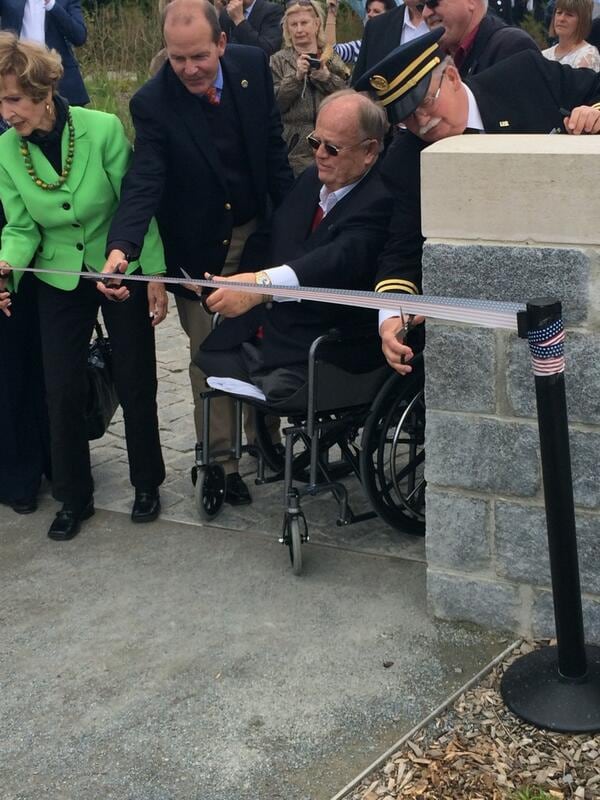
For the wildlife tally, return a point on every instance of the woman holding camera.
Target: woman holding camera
(304, 72)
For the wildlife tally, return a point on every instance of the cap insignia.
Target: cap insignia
(379, 83)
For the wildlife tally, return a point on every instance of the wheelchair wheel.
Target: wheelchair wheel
(295, 545)
(392, 459)
(209, 490)
(295, 532)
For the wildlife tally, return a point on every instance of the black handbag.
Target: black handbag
(102, 400)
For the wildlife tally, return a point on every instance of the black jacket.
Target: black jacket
(175, 175)
(341, 253)
(494, 41)
(381, 35)
(262, 28)
(523, 94)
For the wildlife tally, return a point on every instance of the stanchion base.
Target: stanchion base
(533, 690)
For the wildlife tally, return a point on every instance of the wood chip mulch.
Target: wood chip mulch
(478, 750)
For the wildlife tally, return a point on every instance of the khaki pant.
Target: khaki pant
(196, 322)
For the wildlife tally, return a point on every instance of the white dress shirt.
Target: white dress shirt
(33, 27)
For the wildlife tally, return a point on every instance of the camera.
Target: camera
(313, 61)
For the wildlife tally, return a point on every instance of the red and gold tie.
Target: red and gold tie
(212, 96)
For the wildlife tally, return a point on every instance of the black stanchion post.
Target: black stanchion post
(556, 687)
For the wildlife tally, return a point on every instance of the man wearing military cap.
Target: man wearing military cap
(420, 87)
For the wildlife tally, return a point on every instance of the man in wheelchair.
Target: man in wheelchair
(328, 232)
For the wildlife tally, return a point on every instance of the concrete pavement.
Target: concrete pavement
(175, 661)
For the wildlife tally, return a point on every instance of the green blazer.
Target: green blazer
(67, 228)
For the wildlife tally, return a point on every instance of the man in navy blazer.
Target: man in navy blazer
(328, 232)
(252, 22)
(58, 24)
(210, 163)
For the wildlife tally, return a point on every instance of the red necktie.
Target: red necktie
(317, 218)
(212, 96)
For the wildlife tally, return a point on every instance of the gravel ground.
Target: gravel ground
(478, 750)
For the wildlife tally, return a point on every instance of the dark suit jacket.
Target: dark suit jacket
(175, 172)
(594, 37)
(341, 253)
(261, 29)
(522, 94)
(494, 41)
(382, 33)
(64, 27)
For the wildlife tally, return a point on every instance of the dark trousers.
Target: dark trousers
(24, 453)
(66, 323)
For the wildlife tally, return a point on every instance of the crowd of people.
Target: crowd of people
(255, 127)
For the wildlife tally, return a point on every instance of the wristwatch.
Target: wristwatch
(262, 279)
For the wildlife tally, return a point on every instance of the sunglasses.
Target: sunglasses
(431, 4)
(331, 149)
(290, 3)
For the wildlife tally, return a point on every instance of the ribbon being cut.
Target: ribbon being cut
(546, 344)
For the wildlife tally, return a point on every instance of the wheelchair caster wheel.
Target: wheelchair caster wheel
(295, 545)
(209, 490)
(295, 533)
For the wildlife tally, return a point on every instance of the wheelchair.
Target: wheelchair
(371, 425)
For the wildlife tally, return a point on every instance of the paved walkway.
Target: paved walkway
(176, 661)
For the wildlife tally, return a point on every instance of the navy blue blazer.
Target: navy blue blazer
(175, 175)
(65, 29)
(262, 28)
(341, 253)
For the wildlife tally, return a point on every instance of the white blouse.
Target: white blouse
(585, 56)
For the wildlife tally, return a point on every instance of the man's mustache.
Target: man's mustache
(429, 125)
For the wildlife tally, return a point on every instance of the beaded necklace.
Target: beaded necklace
(50, 187)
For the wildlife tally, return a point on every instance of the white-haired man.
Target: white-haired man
(475, 38)
(421, 87)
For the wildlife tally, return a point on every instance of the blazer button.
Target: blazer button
(227, 206)
(225, 242)
(79, 246)
(66, 206)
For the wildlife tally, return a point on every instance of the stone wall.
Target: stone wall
(508, 218)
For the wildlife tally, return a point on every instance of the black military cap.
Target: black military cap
(402, 78)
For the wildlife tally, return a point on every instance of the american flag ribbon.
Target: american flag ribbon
(547, 349)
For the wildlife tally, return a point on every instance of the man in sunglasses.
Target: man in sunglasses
(421, 88)
(327, 232)
(475, 38)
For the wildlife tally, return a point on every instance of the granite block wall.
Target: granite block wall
(486, 541)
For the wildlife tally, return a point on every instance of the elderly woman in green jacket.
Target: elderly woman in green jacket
(60, 176)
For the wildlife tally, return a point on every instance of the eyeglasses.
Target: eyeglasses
(331, 149)
(430, 100)
(290, 3)
(431, 4)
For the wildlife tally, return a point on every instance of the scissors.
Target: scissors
(204, 292)
(407, 325)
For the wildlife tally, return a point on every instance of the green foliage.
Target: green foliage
(123, 36)
(536, 30)
(530, 793)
